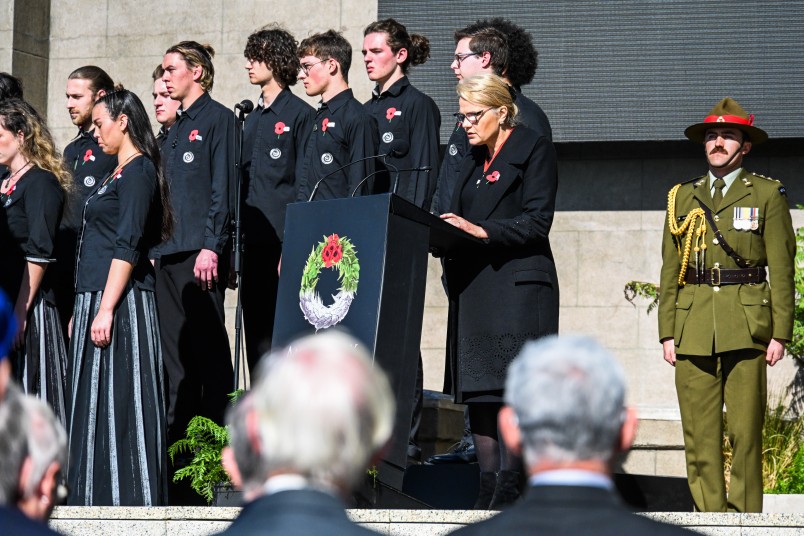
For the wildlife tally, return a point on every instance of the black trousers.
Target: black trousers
(195, 345)
(259, 286)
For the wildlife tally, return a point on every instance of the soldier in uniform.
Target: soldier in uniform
(726, 308)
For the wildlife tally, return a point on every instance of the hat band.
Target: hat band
(730, 119)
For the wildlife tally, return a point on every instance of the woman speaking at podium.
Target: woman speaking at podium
(505, 291)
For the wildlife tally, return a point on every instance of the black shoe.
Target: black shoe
(463, 452)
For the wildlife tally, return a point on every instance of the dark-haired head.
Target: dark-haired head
(328, 45)
(10, 87)
(97, 77)
(124, 102)
(397, 38)
(487, 39)
(521, 57)
(197, 55)
(276, 48)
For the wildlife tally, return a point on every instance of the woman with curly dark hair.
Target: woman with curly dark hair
(276, 133)
(117, 412)
(32, 197)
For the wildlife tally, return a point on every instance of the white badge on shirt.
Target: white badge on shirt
(388, 137)
(89, 181)
(326, 158)
(188, 157)
(275, 153)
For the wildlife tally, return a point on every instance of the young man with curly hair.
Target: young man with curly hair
(275, 136)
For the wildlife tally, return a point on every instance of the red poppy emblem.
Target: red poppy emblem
(332, 252)
(194, 135)
(279, 128)
(88, 156)
(494, 176)
(389, 113)
(324, 124)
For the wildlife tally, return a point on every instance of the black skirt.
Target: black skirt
(117, 416)
(41, 367)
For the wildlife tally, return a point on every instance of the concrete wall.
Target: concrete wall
(128, 39)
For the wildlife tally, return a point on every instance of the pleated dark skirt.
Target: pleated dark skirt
(41, 368)
(117, 415)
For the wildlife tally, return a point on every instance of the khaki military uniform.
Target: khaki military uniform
(721, 333)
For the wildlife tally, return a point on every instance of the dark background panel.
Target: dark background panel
(633, 70)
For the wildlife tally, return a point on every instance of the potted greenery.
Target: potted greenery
(204, 441)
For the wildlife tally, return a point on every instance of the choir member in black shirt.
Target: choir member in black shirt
(343, 131)
(165, 108)
(402, 112)
(275, 137)
(88, 165)
(496, 46)
(32, 197)
(117, 452)
(193, 264)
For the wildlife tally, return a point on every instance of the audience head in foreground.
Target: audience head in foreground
(318, 415)
(33, 454)
(565, 414)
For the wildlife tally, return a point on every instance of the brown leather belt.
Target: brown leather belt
(726, 276)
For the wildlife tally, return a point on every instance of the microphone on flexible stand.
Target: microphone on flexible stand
(397, 148)
(425, 169)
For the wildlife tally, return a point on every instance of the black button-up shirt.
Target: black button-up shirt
(530, 115)
(343, 132)
(274, 142)
(404, 112)
(89, 166)
(197, 156)
(122, 220)
(28, 222)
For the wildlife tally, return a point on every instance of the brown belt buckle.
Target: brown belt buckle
(715, 270)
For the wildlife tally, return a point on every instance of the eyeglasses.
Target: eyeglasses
(305, 67)
(460, 57)
(472, 117)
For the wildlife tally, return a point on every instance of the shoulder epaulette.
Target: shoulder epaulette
(763, 177)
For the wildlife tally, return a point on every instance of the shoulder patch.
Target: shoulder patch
(782, 191)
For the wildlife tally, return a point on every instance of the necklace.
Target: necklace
(114, 175)
(8, 187)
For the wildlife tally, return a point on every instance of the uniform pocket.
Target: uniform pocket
(532, 276)
(683, 304)
(756, 302)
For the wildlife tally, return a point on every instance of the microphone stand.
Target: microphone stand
(424, 169)
(237, 264)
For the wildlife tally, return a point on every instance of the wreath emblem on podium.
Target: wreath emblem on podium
(333, 253)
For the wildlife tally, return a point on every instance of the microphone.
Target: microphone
(245, 106)
(425, 169)
(397, 148)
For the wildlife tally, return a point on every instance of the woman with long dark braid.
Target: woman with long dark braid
(117, 420)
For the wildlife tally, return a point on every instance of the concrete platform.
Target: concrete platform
(183, 521)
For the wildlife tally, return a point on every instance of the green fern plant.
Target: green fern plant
(205, 440)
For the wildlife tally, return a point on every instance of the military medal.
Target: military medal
(746, 218)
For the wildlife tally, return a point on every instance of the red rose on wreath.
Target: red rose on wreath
(324, 124)
(332, 252)
(194, 135)
(279, 128)
(494, 176)
(389, 114)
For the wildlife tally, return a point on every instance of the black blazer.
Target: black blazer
(12, 521)
(506, 291)
(295, 513)
(570, 511)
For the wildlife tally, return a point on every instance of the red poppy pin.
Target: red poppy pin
(325, 124)
(280, 128)
(492, 177)
(391, 112)
(194, 135)
(88, 156)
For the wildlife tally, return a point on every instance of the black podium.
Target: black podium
(366, 259)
